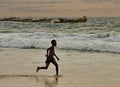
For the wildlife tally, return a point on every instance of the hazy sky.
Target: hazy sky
(59, 8)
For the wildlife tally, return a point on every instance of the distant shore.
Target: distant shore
(45, 20)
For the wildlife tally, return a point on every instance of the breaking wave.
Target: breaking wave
(101, 42)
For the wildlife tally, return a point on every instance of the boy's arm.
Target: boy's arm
(47, 52)
(56, 57)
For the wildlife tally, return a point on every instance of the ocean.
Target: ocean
(99, 34)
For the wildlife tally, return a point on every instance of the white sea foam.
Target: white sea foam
(103, 42)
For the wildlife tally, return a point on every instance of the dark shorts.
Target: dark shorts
(49, 59)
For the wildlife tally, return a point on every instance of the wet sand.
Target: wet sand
(77, 69)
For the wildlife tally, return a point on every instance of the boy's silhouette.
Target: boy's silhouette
(50, 57)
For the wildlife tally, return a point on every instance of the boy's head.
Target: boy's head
(53, 42)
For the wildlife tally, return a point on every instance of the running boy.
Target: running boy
(50, 57)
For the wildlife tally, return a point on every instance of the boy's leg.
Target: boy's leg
(44, 67)
(56, 65)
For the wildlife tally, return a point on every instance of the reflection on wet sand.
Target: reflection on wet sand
(51, 83)
(48, 81)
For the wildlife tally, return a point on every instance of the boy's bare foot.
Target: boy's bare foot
(37, 69)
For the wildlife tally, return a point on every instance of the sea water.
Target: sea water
(100, 34)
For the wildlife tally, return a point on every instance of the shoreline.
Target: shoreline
(85, 69)
(60, 49)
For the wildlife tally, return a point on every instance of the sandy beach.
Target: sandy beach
(76, 69)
